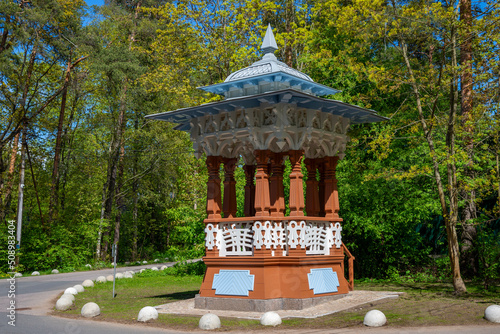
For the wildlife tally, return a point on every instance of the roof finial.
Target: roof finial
(269, 43)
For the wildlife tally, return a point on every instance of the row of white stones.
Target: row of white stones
(55, 271)
(211, 321)
(376, 318)
(91, 309)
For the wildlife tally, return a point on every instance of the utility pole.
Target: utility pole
(20, 197)
(113, 250)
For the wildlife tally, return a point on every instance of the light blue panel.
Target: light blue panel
(323, 280)
(233, 282)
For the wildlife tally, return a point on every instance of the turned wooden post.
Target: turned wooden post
(262, 202)
(249, 208)
(213, 187)
(229, 203)
(312, 192)
(276, 191)
(296, 187)
(321, 186)
(331, 193)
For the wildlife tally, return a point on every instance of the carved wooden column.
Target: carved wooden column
(296, 187)
(312, 192)
(262, 203)
(276, 191)
(249, 208)
(229, 203)
(321, 186)
(213, 187)
(331, 193)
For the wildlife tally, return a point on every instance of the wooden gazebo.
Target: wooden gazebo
(266, 260)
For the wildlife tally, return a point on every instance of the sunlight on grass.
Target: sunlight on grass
(423, 304)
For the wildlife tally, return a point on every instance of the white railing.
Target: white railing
(241, 238)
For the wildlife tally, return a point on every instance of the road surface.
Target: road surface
(35, 296)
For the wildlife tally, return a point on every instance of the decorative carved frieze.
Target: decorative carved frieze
(278, 127)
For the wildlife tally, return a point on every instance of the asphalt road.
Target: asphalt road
(36, 296)
(33, 324)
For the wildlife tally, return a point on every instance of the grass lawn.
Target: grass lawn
(423, 304)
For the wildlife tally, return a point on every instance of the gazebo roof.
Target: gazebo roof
(269, 69)
(268, 81)
(354, 113)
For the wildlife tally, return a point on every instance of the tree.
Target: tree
(32, 45)
(408, 50)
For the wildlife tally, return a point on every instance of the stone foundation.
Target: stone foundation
(260, 305)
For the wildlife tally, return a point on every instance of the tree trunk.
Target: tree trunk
(134, 219)
(452, 176)
(57, 154)
(119, 199)
(66, 155)
(7, 195)
(101, 225)
(288, 17)
(451, 233)
(498, 174)
(135, 191)
(469, 233)
(113, 167)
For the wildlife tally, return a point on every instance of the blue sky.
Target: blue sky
(95, 2)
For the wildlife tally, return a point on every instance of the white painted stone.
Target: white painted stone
(101, 279)
(270, 319)
(144, 262)
(154, 269)
(127, 275)
(374, 318)
(79, 288)
(88, 283)
(71, 290)
(156, 260)
(163, 267)
(18, 275)
(88, 266)
(147, 313)
(119, 275)
(140, 271)
(90, 310)
(55, 271)
(63, 303)
(110, 278)
(492, 313)
(69, 296)
(35, 273)
(209, 321)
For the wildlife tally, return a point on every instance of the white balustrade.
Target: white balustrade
(239, 238)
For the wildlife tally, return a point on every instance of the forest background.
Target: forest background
(419, 194)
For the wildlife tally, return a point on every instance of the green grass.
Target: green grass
(423, 304)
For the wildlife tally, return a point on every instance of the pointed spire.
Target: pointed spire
(269, 43)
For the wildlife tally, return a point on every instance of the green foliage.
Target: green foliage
(187, 268)
(147, 57)
(489, 249)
